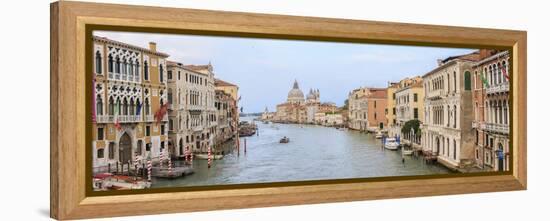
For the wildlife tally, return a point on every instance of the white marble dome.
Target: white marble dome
(295, 95)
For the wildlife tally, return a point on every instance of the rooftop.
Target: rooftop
(222, 83)
(134, 47)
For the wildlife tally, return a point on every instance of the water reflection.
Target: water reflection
(313, 153)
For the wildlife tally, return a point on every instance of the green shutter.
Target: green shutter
(467, 81)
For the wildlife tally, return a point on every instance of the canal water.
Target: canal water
(313, 153)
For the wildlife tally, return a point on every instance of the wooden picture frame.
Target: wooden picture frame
(68, 132)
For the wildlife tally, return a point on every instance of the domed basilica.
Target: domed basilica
(300, 109)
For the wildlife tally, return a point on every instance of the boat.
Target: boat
(204, 156)
(407, 150)
(284, 140)
(391, 144)
(164, 172)
(379, 135)
(108, 181)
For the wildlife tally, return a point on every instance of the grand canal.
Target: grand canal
(313, 153)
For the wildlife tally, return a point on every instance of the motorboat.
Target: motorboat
(407, 150)
(109, 181)
(203, 156)
(391, 144)
(379, 135)
(284, 140)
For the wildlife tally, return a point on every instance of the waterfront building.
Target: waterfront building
(225, 116)
(491, 111)
(409, 105)
(367, 108)
(192, 113)
(298, 109)
(312, 105)
(267, 116)
(448, 112)
(329, 119)
(130, 96)
(391, 113)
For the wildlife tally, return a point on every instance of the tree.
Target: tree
(414, 124)
(346, 103)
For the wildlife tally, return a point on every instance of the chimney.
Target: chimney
(484, 53)
(153, 46)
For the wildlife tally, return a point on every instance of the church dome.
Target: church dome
(295, 95)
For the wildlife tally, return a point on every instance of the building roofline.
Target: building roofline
(453, 60)
(486, 60)
(122, 44)
(182, 66)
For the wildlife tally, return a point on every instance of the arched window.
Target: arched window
(476, 114)
(448, 115)
(161, 73)
(99, 105)
(118, 106)
(132, 107)
(448, 83)
(138, 107)
(123, 66)
(170, 96)
(147, 106)
(495, 74)
(454, 116)
(500, 112)
(145, 71)
(467, 81)
(125, 107)
(454, 149)
(130, 68)
(454, 81)
(98, 62)
(117, 65)
(111, 106)
(505, 113)
(136, 69)
(110, 64)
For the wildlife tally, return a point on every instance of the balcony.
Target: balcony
(499, 88)
(104, 118)
(497, 128)
(474, 124)
(121, 118)
(149, 118)
(197, 128)
(435, 94)
(129, 118)
(195, 107)
(172, 106)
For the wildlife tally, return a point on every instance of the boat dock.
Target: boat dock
(173, 173)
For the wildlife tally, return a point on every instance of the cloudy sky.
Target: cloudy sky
(265, 69)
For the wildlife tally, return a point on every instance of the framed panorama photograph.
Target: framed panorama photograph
(180, 110)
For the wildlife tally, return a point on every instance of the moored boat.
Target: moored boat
(108, 181)
(391, 144)
(203, 156)
(407, 150)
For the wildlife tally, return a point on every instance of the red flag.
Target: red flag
(161, 112)
(504, 72)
